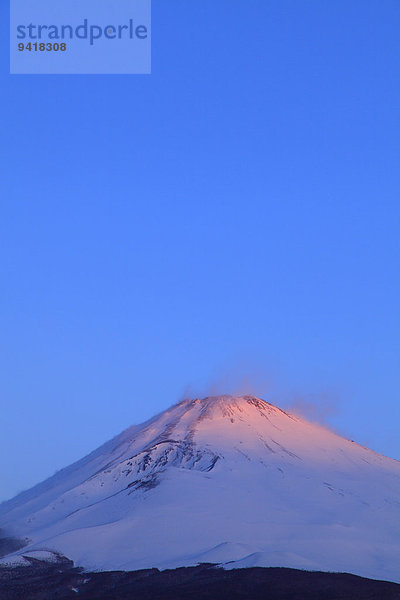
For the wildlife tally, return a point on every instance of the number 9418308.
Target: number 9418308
(42, 47)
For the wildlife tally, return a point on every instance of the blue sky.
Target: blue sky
(230, 222)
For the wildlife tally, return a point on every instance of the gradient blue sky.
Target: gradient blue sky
(229, 222)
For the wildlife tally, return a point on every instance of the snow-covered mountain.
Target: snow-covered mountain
(228, 480)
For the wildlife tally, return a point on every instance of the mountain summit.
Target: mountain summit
(231, 480)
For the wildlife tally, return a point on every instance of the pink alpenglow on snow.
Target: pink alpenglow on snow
(228, 480)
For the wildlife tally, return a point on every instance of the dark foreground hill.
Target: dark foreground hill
(62, 581)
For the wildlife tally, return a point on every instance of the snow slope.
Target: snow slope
(230, 480)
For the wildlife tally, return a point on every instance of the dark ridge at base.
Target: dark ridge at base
(61, 581)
